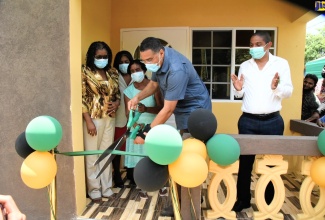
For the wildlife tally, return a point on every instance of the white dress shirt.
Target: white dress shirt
(258, 97)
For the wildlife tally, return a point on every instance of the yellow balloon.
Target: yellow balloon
(38, 169)
(195, 146)
(317, 171)
(189, 170)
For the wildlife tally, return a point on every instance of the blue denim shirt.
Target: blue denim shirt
(178, 80)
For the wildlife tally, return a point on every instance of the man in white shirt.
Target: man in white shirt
(263, 82)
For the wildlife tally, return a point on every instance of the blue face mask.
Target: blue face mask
(123, 67)
(101, 63)
(153, 67)
(137, 76)
(257, 52)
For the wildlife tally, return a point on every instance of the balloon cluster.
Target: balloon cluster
(39, 167)
(317, 168)
(184, 161)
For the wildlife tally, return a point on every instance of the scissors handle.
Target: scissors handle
(137, 115)
(135, 132)
(130, 120)
(133, 117)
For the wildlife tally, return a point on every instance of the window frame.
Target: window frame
(233, 65)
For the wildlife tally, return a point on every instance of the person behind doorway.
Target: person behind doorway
(320, 112)
(309, 103)
(9, 209)
(149, 107)
(263, 81)
(320, 88)
(181, 87)
(100, 100)
(121, 63)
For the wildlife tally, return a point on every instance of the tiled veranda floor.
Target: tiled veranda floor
(129, 205)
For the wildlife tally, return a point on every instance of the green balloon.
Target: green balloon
(163, 144)
(321, 142)
(43, 133)
(223, 149)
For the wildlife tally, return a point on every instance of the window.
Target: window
(218, 53)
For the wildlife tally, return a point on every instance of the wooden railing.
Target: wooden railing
(270, 167)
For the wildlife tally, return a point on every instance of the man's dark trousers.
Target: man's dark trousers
(257, 125)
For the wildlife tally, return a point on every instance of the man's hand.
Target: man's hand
(133, 103)
(138, 140)
(10, 208)
(238, 83)
(275, 81)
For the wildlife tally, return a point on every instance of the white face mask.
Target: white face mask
(101, 63)
(257, 52)
(137, 76)
(123, 67)
(153, 67)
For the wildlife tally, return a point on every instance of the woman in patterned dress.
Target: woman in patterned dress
(100, 100)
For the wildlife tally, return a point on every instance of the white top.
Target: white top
(258, 97)
(120, 117)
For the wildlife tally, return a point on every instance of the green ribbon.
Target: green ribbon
(94, 152)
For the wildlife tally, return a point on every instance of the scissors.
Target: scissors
(133, 118)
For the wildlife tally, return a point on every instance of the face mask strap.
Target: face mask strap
(158, 59)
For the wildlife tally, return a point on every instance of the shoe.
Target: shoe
(168, 211)
(163, 192)
(118, 181)
(119, 185)
(97, 200)
(143, 195)
(240, 205)
(132, 183)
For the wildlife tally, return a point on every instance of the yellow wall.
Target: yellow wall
(96, 23)
(213, 13)
(75, 64)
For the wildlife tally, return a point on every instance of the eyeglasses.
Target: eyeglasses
(149, 60)
(101, 57)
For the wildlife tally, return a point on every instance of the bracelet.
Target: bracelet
(146, 129)
(141, 134)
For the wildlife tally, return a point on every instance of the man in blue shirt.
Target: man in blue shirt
(181, 87)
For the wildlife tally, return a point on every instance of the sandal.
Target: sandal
(143, 195)
(163, 192)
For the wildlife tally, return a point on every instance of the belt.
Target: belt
(262, 116)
